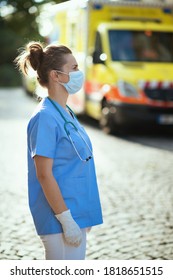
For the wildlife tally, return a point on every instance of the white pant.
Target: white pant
(57, 249)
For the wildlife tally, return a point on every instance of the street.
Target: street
(135, 181)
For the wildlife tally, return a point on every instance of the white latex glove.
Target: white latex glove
(71, 230)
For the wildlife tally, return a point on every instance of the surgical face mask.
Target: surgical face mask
(76, 79)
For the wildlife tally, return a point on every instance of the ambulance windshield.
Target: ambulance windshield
(146, 46)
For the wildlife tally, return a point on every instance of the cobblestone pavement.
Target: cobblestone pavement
(136, 189)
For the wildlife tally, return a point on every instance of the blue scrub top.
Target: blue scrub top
(77, 181)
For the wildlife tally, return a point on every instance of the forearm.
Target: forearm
(52, 193)
(71, 230)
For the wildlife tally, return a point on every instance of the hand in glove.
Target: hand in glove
(71, 230)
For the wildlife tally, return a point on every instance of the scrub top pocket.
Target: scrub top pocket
(75, 193)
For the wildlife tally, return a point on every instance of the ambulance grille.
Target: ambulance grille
(160, 94)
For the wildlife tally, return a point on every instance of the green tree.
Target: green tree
(18, 25)
(23, 18)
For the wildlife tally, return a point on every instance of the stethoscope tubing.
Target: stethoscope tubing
(66, 123)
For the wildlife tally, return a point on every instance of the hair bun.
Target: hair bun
(36, 52)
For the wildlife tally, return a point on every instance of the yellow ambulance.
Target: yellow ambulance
(125, 49)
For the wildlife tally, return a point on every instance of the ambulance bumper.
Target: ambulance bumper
(141, 114)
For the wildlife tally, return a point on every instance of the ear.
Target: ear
(53, 75)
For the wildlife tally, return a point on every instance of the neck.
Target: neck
(58, 94)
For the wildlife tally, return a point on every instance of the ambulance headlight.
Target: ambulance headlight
(127, 89)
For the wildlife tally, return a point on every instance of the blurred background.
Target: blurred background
(19, 24)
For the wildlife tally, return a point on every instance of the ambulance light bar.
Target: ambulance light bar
(137, 3)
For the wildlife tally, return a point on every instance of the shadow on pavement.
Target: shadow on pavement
(154, 136)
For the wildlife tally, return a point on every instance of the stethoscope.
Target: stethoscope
(66, 124)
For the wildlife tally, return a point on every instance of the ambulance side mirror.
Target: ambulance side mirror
(97, 58)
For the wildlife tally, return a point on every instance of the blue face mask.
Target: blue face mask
(76, 79)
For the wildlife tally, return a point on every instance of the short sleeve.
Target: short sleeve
(42, 135)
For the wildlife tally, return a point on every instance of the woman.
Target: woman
(63, 193)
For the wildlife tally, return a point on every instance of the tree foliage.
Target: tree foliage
(17, 28)
(23, 19)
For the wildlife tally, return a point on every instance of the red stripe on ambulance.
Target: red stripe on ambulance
(155, 84)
